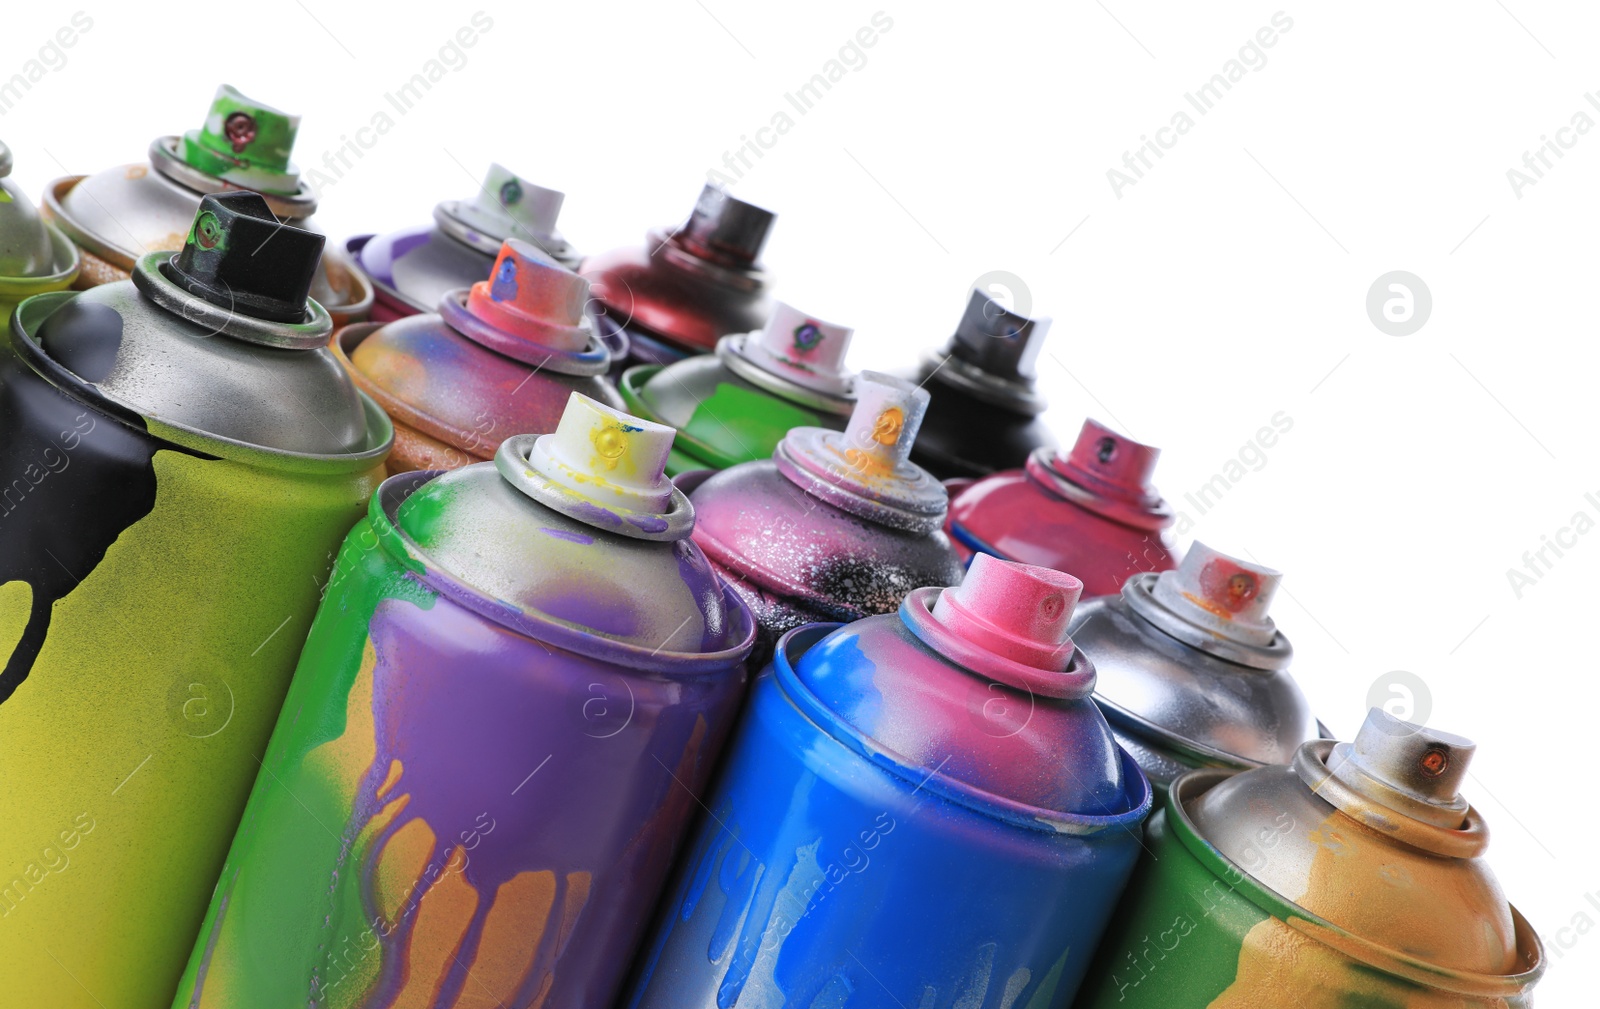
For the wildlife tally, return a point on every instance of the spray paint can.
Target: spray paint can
(985, 412)
(183, 456)
(1193, 671)
(35, 257)
(1092, 511)
(1354, 876)
(411, 269)
(517, 685)
(117, 216)
(736, 405)
(919, 809)
(499, 358)
(836, 525)
(689, 286)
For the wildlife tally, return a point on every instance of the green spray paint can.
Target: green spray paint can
(1351, 878)
(736, 405)
(118, 215)
(182, 456)
(35, 256)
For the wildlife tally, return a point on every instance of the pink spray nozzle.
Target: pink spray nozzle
(1016, 611)
(1110, 464)
(530, 296)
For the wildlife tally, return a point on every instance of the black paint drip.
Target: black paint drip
(74, 479)
(83, 337)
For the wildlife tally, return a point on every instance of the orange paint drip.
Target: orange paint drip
(443, 917)
(513, 932)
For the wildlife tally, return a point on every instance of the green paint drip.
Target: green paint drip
(290, 790)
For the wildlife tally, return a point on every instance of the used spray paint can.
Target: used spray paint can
(919, 809)
(183, 456)
(1193, 672)
(1092, 511)
(515, 689)
(836, 525)
(689, 286)
(500, 358)
(411, 269)
(35, 257)
(736, 406)
(119, 215)
(1354, 876)
(985, 413)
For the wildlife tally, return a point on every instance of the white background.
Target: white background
(1229, 284)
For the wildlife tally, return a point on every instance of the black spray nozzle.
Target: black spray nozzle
(727, 230)
(998, 340)
(5, 161)
(238, 256)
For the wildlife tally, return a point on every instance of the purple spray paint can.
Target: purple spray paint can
(836, 525)
(517, 683)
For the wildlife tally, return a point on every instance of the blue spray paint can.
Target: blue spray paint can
(921, 809)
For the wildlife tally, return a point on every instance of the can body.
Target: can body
(728, 419)
(823, 877)
(453, 812)
(1195, 930)
(452, 401)
(796, 559)
(964, 436)
(157, 587)
(435, 264)
(1017, 516)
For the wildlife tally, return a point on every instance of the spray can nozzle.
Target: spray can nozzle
(1412, 769)
(800, 348)
(997, 340)
(245, 142)
(1017, 611)
(607, 456)
(725, 229)
(239, 257)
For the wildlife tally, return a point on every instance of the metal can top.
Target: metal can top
(220, 341)
(578, 539)
(993, 355)
(735, 406)
(1371, 845)
(34, 254)
(1190, 661)
(977, 693)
